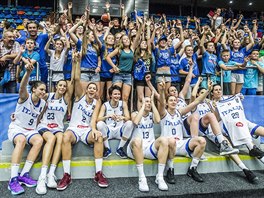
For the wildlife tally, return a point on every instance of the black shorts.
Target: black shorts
(103, 79)
(141, 83)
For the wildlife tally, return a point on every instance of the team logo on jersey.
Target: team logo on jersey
(239, 124)
(52, 125)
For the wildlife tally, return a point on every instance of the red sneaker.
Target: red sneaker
(101, 179)
(64, 182)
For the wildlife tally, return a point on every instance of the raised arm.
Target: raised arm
(187, 82)
(136, 117)
(73, 29)
(179, 26)
(23, 93)
(162, 101)
(48, 44)
(195, 89)
(151, 87)
(97, 40)
(76, 61)
(137, 39)
(70, 11)
(251, 40)
(156, 115)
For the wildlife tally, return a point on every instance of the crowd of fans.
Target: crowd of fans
(114, 51)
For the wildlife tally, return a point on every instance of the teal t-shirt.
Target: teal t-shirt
(251, 75)
(227, 74)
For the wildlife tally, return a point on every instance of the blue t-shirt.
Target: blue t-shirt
(141, 68)
(238, 57)
(251, 75)
(68, 64)
(90, 60)
(175, 67)
(34, 55)
(105, 65)
(227, 74)
(163, 57)
(185, 67)
(209, 63)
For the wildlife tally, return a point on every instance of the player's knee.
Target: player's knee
(125, 97)
(202, 141)
(59, 138)
(66, 138)
(210, 116)
(37, 142)
(172, 143)
(51, 139)
(163, 141)
(99, 139)
(21, 141)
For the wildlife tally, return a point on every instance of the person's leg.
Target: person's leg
(251, 177)
(126, 129)
(238, 88)
(68, 139)
(126, 89)
(136, 148)
(193, 122)
(210, 119)
(195, 145)
(233, 88)
(102, 90)
(98, 155)
(46, 156)
(70, 92)
(108, 85)
(13, 185)
(162, 147)
(101, 126)
(171, 153)
(51, 183)
(140, 95)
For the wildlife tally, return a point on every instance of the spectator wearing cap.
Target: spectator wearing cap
(9, 49)
(163, 55)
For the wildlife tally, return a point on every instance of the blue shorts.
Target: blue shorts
(125, 78)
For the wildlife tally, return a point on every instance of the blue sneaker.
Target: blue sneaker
(121, 153)
(27, 180)
(15, 187)
(107, 152)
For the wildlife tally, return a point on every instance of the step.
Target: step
(114, 167)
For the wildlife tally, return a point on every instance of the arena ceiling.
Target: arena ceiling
(256, 5)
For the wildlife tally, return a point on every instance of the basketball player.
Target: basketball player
(114, 122)
(22, 131)
(143, 143)
(82, 127)
(172, 127)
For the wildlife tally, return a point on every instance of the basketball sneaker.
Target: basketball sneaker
(64, 182)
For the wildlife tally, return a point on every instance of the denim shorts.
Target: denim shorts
(122, 78)
(90, 76)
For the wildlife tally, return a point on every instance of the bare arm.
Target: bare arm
(77, 77)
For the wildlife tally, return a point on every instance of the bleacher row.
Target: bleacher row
(18, 13)
(206, 21)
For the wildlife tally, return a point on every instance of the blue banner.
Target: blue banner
(7, 106)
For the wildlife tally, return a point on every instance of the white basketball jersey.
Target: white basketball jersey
(54, 115)
(82, 113)
(118, 110)
(144, 130)
(202, 109)
(27, 113)
(235, 124)
(171, 125)
(181, 104)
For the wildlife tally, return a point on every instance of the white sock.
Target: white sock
(140, 169)
(262, 160)
(52, 169)
(43, 172)
(14, 170)
(106, 144)
(161, 168)
(170, 163)
(250, 145)
(220, 138)
(98, 164)
(242, 166)
(122, 143)
(67, 166)
(195, 162)
(26, 167)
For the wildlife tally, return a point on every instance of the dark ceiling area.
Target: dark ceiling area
(244, 5)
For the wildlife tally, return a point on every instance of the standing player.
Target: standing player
(23, 131)
(114, 121)
(82, 127)
(143, 143)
